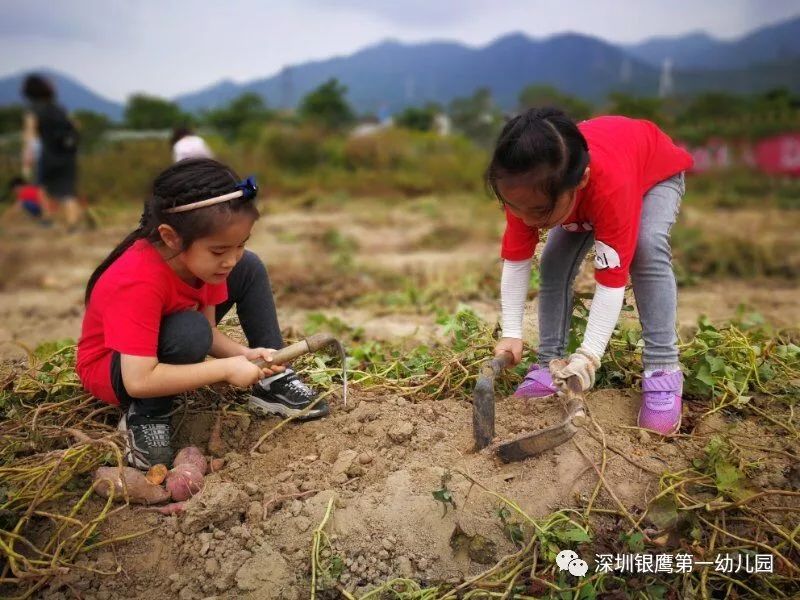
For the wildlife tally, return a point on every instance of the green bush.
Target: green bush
(293, 148)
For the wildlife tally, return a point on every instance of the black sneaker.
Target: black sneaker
(147, 439)
(284, 394)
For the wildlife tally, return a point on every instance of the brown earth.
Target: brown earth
(248, 534)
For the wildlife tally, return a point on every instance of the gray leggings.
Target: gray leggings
(651, 274)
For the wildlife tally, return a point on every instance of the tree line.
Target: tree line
(478, 116)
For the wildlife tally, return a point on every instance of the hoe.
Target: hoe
(527, 444)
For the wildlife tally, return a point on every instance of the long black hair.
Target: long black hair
(542, 144)
(184, 182)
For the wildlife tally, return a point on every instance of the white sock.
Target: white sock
(650, 372)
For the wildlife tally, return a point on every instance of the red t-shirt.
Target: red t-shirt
(125, 311)
(627, 157)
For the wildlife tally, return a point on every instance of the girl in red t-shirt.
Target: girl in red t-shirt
(611, 183)
(153, 304)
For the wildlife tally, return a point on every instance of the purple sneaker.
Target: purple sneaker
(661, 402)
(538, 383)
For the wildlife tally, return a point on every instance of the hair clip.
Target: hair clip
(249, 187)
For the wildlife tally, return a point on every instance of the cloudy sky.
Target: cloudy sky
(168, 47)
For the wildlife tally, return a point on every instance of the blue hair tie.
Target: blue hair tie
(249, 187)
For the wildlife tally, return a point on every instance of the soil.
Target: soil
(248, 533)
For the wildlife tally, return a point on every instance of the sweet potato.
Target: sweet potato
(184, 481)
(191, 455)
(140, 491)
(156, 474)
(216, 447)
(173, 508)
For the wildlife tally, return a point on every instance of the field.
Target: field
(386, 498)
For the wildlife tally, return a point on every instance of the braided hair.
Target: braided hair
(544, 144)
(184, 182)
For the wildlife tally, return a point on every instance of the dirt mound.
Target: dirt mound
(247, 534)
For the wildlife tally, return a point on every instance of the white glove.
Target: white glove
(583, 364)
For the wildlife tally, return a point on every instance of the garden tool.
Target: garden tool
(310, 344)
(527, 444)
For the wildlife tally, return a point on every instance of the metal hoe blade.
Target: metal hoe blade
(527, 444)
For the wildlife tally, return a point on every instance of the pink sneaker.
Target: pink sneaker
(538, 383)
(661, 402)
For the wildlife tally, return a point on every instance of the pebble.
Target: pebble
(302, 523)
(319, 437)
(340, 478)
(644, 437)
(187, 594)
(295, 507)
(383, 554)
(355, 470)
(365, 458)
(251, 488)
(422, 564)
(373, 429)
(255, 512)
(179, 538)
(310, 458)
(307, 486)
(204, 549)
(387, 545)
(212, 567)
(205, 537)
(219, 534)
(668, 450)
(402, 432)
(284, 476)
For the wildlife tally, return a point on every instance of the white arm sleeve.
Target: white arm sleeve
(603, 317)
(513, 293)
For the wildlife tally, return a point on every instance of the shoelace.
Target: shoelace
(156, 434)
(301, 388)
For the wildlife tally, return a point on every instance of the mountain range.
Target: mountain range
(391, 75)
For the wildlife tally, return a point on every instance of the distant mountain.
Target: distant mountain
(71, 94)
(774, 43)
(391, 75)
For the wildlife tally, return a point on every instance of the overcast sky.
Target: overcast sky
(168, 47)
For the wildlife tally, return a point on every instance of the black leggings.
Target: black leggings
(185, 337)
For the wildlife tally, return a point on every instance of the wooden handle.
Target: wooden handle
(289, 353)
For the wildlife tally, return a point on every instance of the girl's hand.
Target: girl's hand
(239, 371)
(583, 364)
(511, 345)
(265, 354)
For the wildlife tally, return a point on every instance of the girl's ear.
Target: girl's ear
(584, 179)
(170, 237)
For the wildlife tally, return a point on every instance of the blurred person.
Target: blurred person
(56, 164)
(185, 144)
(613, 184)
(27, 200)
(153, 305)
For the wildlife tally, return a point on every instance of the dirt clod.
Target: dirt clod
(402, 432)
(217, 503)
